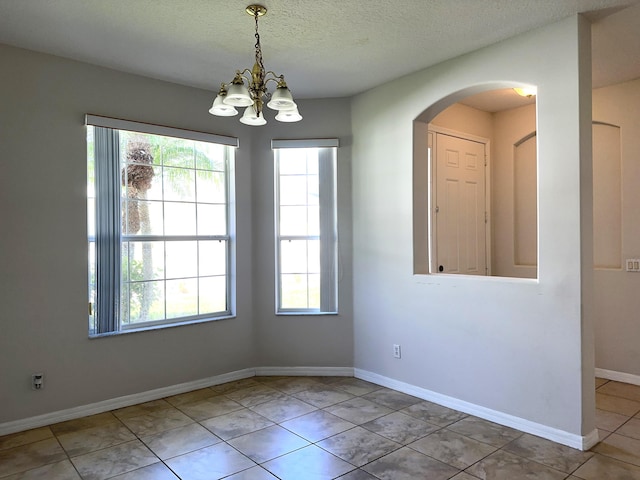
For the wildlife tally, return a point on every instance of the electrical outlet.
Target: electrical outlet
(396, 351)
(633, 265)
(37, 381)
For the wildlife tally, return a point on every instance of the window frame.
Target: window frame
(119, 327)
(328, 239)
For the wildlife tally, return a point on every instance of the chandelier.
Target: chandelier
(254, 94)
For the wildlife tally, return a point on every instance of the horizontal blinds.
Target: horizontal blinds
(119, 124)
(306, 143)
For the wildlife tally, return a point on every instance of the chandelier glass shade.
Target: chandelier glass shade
(249, 89)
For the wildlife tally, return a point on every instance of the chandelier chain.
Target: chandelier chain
(258, 46)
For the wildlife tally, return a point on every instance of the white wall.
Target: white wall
(43, 246)
(616, 291)
(513, 346)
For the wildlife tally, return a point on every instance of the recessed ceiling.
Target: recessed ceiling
(326, 48)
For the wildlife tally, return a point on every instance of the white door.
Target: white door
(460, 211)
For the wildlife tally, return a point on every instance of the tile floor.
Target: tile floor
(298, 428)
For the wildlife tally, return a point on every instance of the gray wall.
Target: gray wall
(520, 347)
(310, 340)
(43, 249)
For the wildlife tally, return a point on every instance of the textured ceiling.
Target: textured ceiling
(326, 48)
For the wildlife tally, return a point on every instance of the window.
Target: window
(306, 226)
(160, 225)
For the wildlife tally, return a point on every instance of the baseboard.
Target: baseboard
(120, 402)
(618, 376)
(579, 442)
(305, 371)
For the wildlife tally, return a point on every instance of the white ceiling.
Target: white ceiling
(325, 48)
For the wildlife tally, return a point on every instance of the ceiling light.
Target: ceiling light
(526, 91)
(249, 89)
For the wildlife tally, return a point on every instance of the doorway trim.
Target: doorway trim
(431, 181)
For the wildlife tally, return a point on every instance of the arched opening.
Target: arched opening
(475, 184)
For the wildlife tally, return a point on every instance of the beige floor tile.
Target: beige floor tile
(391, 398)
(358, 446)
(358, 410)
(23, 438)
(113, 461)
(452, 448)
(233, 386)
(190, 397)
(156, 421)
(268, 443)
(400, 428)
(95, 438)
(255, 395)
(502, 465)
(609, 421)
(84, 422)
(209, 463)
(30, 456)
(209, 408)
(355, 386)
(281, 410)
(236, 423)
(318, 425)
(358, 474)
(630, 429)
(434, 413)
(322, 396)
(464, 476)
(621, 448)
(407, 464)
(142, 409)
(619, 405)
(548, 453)
(155, 471)
(624, 390)
(485, 431)
(254, 473)
(602, 434)
(600, 467)
(63, 470)
(362, 426)
(292, 385)
(308, 462)
(179, 441)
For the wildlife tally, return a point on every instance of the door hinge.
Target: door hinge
(486, 217)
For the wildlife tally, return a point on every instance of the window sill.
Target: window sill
(161, 326)
(302, 313)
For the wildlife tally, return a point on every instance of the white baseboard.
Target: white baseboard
(559, 436)
(618, 376)
(581, 442)
(120, 402)
(305, 371)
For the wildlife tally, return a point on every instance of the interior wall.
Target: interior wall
(510, 345)
(466, 119)
(302, 340)
(617, 336)
(511, 220)
(43, 254)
